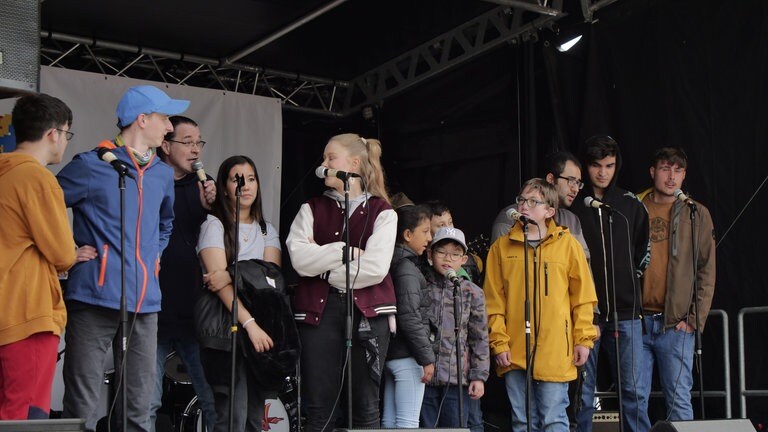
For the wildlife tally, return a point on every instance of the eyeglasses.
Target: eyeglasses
(453, 256)
(572, 181)
(200, 144)
(530, 202)
(68, 133)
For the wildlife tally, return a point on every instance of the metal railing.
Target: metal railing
(743, 391)
(726, 392)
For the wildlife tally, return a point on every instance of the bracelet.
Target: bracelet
(248, 321)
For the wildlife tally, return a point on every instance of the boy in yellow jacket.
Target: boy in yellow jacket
(561, 301)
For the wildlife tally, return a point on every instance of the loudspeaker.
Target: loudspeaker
(19, 47)
(403, 430)
(53, 425)
(735, 425)
(605, 421)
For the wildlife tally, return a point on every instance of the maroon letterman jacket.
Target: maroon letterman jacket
(312, 292)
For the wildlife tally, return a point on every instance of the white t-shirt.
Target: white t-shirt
(251, 243)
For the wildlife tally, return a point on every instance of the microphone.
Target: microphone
(323, 172)
(107, 156)
(516, 215)
(451, 275)
(197, 166)
(679, 194)
(591, 202)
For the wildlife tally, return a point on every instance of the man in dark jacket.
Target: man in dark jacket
(617, 263)
(181, 279)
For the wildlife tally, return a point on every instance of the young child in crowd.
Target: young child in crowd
(440, 408)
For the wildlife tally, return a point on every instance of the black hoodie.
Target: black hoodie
(631, 247)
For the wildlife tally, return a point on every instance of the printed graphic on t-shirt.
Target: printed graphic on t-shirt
(659, 230)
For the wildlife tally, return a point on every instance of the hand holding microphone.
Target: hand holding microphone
(207, 187)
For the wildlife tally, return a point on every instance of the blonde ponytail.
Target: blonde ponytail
(369, 152)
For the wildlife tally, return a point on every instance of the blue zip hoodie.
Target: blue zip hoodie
(91, 190)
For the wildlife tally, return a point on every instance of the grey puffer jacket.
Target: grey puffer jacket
(413, 309)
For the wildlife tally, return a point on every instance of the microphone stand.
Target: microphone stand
(612, 302)
(695, 300)
(528, 349)
(122, 334)
(350, 301)
(457, 306)
(240, 180)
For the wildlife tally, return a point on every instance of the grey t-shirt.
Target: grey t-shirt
(212, 236)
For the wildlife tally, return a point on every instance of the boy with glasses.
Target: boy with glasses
(36, 243)
(561, 298)
(563, 171)
(440, 407)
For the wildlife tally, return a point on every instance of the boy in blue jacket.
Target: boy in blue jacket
(94, 288)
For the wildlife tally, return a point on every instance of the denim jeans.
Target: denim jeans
(635, 385)
(548, 403)
(672, 352)
(403, 393)
(440, 408)
(475, 415)
(189, 352)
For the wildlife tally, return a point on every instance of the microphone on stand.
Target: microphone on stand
(594, 203)
(680, 195)
(452, 276)
(107, 156)
(516, 215)
(197, 166)
(323, 172)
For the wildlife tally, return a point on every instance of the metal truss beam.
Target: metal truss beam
(589, 7)
(494, 28)
(299, 92)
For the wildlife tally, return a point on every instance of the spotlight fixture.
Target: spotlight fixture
(565, 46)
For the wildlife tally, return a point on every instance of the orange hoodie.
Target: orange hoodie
(35, 244)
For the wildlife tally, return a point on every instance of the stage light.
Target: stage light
(565, 46)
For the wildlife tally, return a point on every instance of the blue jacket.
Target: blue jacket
(91, 190)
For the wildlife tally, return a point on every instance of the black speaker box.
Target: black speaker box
(735, 425)
(403, 430)
(19, 47)
(53, 425)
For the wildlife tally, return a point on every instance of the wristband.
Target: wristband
(248, 321)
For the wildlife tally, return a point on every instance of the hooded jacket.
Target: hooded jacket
(677, 301)
(36, 243)
(631, 248)
(561, 307)
(91, 188)
(413, 311)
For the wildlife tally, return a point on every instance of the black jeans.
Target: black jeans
(322, 365)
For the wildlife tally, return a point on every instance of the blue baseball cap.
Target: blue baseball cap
(146, 100)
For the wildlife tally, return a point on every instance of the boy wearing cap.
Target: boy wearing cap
(440, 407)
(562, 298)
(94, 289)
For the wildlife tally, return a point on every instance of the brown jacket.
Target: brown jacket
(679, 272)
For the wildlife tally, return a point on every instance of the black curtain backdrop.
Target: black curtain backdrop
(688, 73)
